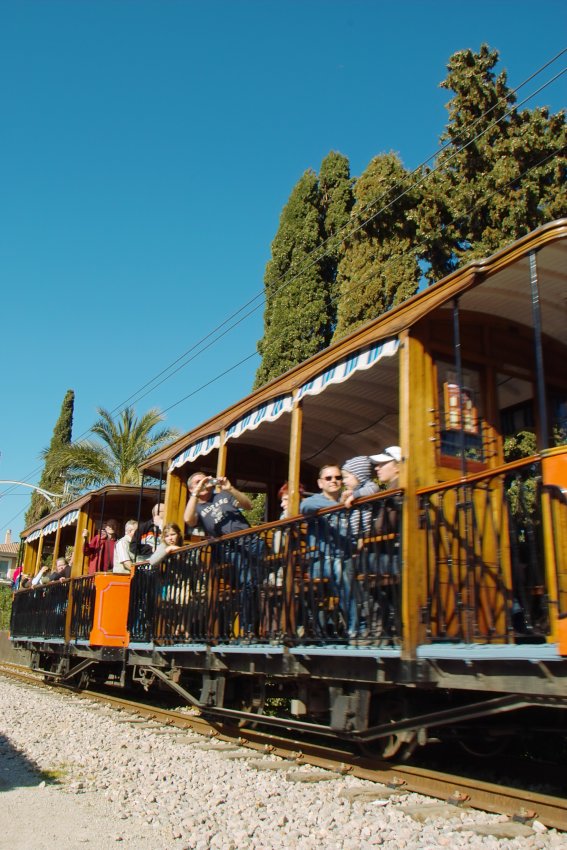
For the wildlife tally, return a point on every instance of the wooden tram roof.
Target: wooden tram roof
(112, 490)
(503, 272)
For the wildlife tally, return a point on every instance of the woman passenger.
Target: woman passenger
(100, 549)
(171, 541)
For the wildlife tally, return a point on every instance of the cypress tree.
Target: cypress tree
(500, 174)
(53, 475)
(336, 200)
(378, 266)
(296, 320)
(300, 312)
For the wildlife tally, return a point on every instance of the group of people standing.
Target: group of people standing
(146, 542)
(216, 506)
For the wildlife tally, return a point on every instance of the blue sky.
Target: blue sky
(147, 151)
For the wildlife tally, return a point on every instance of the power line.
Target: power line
(313, 257)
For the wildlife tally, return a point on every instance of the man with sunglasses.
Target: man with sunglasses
(329, 543)
(330, 483)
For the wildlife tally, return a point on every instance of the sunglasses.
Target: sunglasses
(332, 478)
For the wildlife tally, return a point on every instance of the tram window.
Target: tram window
(515, 402)
(460, 413)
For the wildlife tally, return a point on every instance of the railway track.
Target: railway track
(518, 804)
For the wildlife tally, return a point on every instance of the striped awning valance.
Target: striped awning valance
(342, 371)
(266, 413)
(49, 528)
(69, 518)
(198, 449)
(33, 536)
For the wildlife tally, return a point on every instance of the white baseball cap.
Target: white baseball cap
(391, 453)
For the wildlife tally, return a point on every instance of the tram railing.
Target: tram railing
(486, 573)
(83, 595)
(40, 612)
(327, 578)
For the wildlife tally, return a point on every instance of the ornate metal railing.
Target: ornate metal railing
(334, 576)
(486, 563)
(83, 595)
(40, 611)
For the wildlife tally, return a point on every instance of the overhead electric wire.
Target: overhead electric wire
(370, 276)
(316, 257)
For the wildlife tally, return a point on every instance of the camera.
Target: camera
(214, 482)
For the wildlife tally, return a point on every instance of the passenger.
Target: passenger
(16, 577)
(148, 535)
(330, 483)
(283, 496)
(100, 549)
(385, 558)
(217, 512)
(123, 557)
(38, 579)
(62, 571)
(387, 465)
(357, 478)
(329, 537)
(280, 535)
(171, 541)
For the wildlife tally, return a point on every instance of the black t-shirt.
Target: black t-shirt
(145, 540)
(221, 515)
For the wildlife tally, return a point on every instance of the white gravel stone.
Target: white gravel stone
(136, 786)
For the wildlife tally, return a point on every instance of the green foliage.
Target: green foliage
(256, 514)
(54, 469)
(5, 606)
(499, 175)
(121, 448)
(378, 266)
(519, 445)
(299, 315)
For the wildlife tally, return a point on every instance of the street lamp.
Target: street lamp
(51, 497)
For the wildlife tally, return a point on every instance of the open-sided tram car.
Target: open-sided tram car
(460, 609)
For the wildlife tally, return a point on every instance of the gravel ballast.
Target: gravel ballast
(74, 773)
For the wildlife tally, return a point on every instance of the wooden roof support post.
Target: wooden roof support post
(294, 469)
(418, 452)
(29, 558)
(175, 497)
(57, 543)
(39, 554)
(221, 458)
(78, 557)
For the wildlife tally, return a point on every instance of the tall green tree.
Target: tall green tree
(501, 173)
(300, 311)
(378, 267)
(54, 469)
(296, 315)
(121, 447)
(336, 200)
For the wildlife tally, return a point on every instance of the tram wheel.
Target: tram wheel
(487, 747)
(248, 696)
(400, 745)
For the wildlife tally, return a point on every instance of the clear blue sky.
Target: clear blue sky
(147, 151)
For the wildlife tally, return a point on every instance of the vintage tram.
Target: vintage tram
(452, 620)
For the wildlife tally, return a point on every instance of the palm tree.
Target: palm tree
(122, 447)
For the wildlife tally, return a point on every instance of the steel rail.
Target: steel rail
(516, 803)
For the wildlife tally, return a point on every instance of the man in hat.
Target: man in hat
(387, 466)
